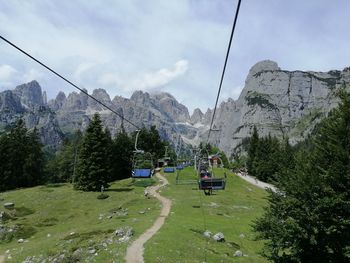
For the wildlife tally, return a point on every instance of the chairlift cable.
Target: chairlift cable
(68, 81)
(224, 69)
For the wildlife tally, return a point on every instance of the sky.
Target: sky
(175, 46)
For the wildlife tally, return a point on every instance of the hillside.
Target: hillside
(56, 222)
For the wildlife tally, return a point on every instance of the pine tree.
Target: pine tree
(122, 154)
(22, 158)
(308, 219)
(150, 141)
(33, 169)
(61, 168)
(252, 151)
(93, 169)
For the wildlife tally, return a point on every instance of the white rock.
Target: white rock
(219, 237)
(207, 233)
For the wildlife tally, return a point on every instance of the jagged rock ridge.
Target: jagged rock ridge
(276, 101)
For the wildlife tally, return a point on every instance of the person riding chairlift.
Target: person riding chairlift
(205, 174)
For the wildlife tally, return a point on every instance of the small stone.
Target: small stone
(219, 237)
(21, 240)
(77, 252)
(49, 235)
(91, 251)
(207, 233)
(119, 232)
(238, 253)
(129, 232)
(72, 233)
(109, 217)
(242, 235)
(141, 212)
(9, 205)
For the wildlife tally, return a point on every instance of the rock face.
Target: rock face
(28, 102)
(276, 101)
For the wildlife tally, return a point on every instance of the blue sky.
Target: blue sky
(176, 46)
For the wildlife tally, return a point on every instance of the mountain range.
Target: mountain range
(278, 102)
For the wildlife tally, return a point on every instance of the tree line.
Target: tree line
(22, 159)
(89, 160)
(268, 157)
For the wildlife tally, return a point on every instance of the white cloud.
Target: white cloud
(152, 80)
(82, 68)
(109, 79)
(231, 93)
(32, 74)
(145, 81)
(7, 72)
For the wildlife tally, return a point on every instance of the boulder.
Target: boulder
(9, 205)
(219, 237)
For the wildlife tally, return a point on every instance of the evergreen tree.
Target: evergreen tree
(33, 168)
(22, 158)
(93, 169)
(252, 150)
(122, 154)
(61, 168)
(308, 219)
(150, 141)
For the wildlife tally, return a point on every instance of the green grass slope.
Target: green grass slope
(56, 220)
(231, 212)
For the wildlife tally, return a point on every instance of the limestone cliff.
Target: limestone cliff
(278, 102)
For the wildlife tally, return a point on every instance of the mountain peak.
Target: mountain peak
(30, 94)
(263, 65)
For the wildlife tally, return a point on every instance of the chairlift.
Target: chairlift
(168, 168)
(142, 162)
(206, 177)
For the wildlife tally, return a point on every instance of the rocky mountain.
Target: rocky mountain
(28, 102)
(276, 101)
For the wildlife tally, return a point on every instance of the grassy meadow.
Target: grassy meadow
(231, 212)
(55, 220)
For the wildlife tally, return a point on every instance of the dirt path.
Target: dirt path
(256, 182)
(134, 253)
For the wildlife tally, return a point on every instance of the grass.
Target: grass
(231, 212)
(56, 220)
